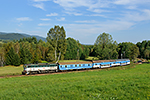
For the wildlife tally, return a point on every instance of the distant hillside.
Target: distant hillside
(18, 36)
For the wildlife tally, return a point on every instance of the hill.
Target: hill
(17, 36)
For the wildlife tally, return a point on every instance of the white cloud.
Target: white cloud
(74, 13)
(142, 15)
(86, 21)
(61, 19)
(40, 0)
(52, 14)
(45, 19)
(131, 2)
(43, 24)
(100, 15)
(39, 5)
(24, 19)
(20, 24)
(90, 5)
(83, 31)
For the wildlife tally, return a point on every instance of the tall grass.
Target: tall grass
(122, 84)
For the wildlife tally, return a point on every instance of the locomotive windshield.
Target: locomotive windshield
(24, 66)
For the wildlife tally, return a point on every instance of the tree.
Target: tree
(72, 49)
(16, 61)
(12, 58)
(144, 49)
(25, 55)
(2, 56)
(128, 50)
(56, 38)
(104, 46)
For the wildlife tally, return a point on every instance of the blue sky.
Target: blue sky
(83, 20)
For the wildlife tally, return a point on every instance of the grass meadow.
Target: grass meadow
(120, 83)
(11, 70)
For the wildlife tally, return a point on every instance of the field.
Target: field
(11, 70)
(124, 83)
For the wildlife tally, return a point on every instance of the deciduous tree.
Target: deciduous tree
(56, 38)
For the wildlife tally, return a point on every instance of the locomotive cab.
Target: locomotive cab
(25, 70)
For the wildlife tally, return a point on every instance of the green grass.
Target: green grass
(92, 58)
(11, 70)
(123, 83)
(44, 62)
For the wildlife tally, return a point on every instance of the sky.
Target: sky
(83, 20)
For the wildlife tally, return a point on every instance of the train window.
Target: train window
(75, 65)
(83, 65)
(65, 66)
(61, 66)
(89, 64)
(80, 65)
(95, 64)
(29, 66)
(71, 65)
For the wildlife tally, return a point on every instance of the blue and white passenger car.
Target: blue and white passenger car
(110, 63)
(123, 61)
(103, 63)
(74, 65)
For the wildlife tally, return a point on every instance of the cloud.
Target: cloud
(86, 21)
(24, 19)
(20, 24)
(43, 24)
(52, 14)
(74, 13)
(100, 15)
(45, 19)
(39, 5)
(61, 19)
(40, 0)
(83, 31)
(131, 2)
(142, 15)
(90, 5)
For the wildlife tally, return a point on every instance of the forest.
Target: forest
(58, 47)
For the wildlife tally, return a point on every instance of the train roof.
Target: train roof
(99, 61)
(122, 59)
(68, 63)
(40, 64)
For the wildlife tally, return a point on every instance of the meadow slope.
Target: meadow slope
(122, 83)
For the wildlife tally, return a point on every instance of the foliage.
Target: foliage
(72, 49)
(75, 50)
(57, 42)
(128, 50)
(144, 48)
(30, 50)
(105, 48)
(12, 58)
(113, 84)
(2, 56)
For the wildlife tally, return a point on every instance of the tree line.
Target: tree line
(29, 50)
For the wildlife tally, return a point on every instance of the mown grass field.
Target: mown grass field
(11, 70)
(123, 83)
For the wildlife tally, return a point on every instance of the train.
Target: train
(64, 66)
